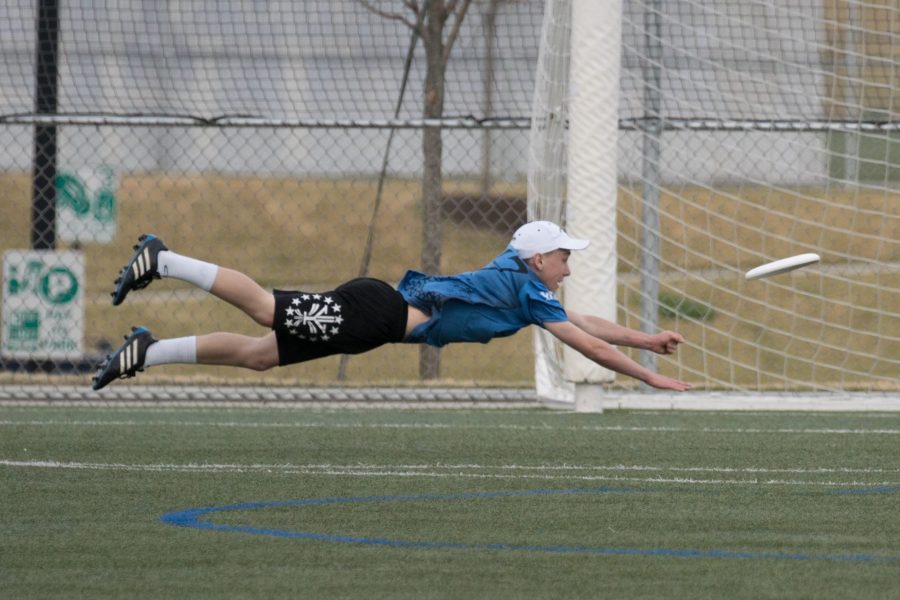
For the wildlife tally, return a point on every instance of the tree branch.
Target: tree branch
(393, 16)
(457, 24)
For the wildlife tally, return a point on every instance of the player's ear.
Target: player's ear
(537, 262)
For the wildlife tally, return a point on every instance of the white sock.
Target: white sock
(175, 350)
(200, 273)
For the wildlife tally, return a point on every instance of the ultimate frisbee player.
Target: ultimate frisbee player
(514, 290)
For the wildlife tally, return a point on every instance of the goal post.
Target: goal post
(591, 210)
(573, 176)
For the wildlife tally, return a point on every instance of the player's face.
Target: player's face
(552, 268)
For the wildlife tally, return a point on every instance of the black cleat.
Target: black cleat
(127, 360)
(141, 269)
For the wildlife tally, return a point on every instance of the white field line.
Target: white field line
(446, 426)
(181, 410)
(465, 471)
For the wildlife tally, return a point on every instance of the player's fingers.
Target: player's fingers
(673, 342)
(679, 386)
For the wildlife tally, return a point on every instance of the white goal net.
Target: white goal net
(748, 132)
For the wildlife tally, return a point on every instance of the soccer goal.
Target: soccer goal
(747, 132)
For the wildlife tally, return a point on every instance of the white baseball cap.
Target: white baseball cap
(539, 237)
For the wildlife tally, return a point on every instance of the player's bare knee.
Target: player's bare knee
(263, 318)
(262, 365)
(259, 355)
(260, 362)
(264, 312)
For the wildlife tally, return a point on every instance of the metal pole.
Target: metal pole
(43, 208)
(490, 34)
(650, 174)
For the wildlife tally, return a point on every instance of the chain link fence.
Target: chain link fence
(280, 138)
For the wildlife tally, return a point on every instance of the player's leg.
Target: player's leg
(153, 260)
(241, 291)
(140, 350)
(234, 350)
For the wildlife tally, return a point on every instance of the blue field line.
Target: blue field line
(194, 518)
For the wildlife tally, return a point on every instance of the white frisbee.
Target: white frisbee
(782, 266)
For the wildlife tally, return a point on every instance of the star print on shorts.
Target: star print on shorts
(314, 317)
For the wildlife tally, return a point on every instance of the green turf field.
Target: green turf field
(451, 504)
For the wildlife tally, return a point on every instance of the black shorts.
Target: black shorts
(358, 316)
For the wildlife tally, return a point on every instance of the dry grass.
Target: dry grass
(819, 329)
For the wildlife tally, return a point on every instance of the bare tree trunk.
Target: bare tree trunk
(431, 17)
(432, 151)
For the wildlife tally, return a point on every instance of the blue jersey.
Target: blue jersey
(494, 301)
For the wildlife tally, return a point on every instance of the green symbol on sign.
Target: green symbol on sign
(71, 192)
(105, 206)
(57, 285)
(19, 284)
(25, 326)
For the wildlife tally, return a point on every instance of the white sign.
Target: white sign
(43, 304)
(86, 205)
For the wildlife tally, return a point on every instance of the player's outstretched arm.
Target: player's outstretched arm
(664, 342)
(605, 355)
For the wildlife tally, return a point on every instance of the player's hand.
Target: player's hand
(665, 342)
(667, 383)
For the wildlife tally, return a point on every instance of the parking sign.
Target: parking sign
(43, 304)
